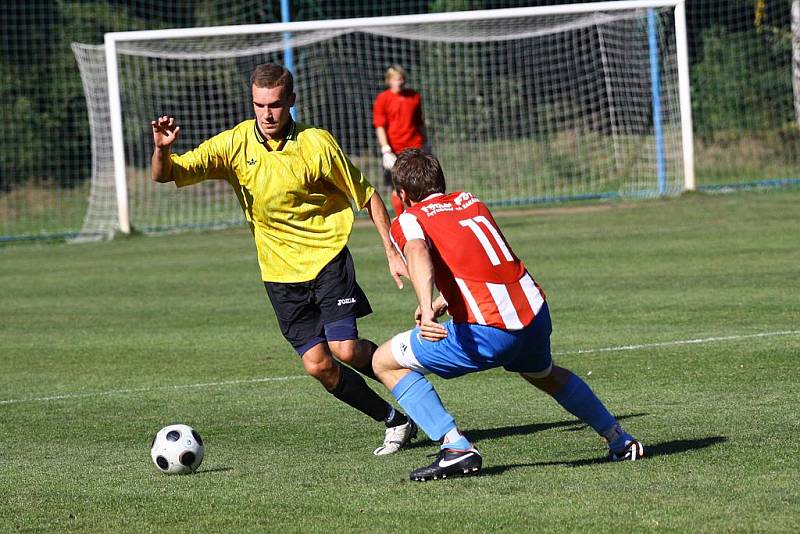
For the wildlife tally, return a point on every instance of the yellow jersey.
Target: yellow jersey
(295, 193)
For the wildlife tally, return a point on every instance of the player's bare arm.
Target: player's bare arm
(420, 270)
(380, 133)
(165, 132)
(380, 218)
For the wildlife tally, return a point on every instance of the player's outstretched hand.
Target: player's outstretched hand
(165, 131)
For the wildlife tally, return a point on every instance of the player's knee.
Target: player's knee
(551, 381)
(315, 369)
(319, 364)
(382, 360)
(345, 351)
(325, 372)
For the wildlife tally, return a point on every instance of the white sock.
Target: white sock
(453, 435)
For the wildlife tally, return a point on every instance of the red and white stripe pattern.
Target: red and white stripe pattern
(475, 269)
(509, 306)
(410, 227)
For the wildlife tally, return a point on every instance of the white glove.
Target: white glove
(388, 157)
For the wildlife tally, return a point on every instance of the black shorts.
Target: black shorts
(304, 309)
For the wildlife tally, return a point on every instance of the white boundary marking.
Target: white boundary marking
(69, 396)
(679, 342)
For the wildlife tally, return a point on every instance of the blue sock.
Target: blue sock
(422, 404)
(578, 399)
(617, 438)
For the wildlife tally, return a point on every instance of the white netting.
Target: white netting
(519, 110)
(101, 217)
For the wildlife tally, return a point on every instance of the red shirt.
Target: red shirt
(476, 271)
(400, 114)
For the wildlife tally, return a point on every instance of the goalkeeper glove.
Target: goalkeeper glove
(388, 157)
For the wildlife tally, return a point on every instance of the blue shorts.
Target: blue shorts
(473, 347)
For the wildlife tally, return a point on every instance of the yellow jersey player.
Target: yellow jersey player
(295, 185)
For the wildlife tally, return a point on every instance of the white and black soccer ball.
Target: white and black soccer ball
(177, 449)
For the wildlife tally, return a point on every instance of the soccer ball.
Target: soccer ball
(177, 449)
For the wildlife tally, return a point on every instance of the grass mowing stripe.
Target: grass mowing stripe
(70, 396)
(293, 377)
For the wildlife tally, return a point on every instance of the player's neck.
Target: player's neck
(429, 197)
(283, 133)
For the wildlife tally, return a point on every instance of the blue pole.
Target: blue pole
(288, 53)
(655, 81)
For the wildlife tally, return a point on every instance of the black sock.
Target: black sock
(395, 418)
(367, 369)
(353, 390)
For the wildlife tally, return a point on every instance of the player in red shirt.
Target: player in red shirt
(499, 318)
(397, 119)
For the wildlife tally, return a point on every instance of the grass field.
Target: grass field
(102, 345)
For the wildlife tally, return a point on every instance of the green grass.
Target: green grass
(117, 328)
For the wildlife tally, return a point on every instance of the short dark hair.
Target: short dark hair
(271, 75)
(418, 173)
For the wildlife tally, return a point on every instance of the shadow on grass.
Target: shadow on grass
(478, 434)
(212, 470)
(657, 449)
(571, 425)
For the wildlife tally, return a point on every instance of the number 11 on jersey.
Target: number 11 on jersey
(474, 224)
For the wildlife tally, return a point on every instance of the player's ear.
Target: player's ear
(292, 98)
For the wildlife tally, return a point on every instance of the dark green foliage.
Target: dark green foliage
(26, 41)
(743, 82)
(46, 137)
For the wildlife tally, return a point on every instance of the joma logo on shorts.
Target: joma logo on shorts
(347, 301)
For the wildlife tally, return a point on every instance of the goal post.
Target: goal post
(524, 104)
(115, 126)
(684, 95)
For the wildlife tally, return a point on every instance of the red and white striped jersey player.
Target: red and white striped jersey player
(499, 318)
(478, 275)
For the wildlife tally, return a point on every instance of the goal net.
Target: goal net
(522, 105)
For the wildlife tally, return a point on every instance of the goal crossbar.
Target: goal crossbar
(367, 22)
